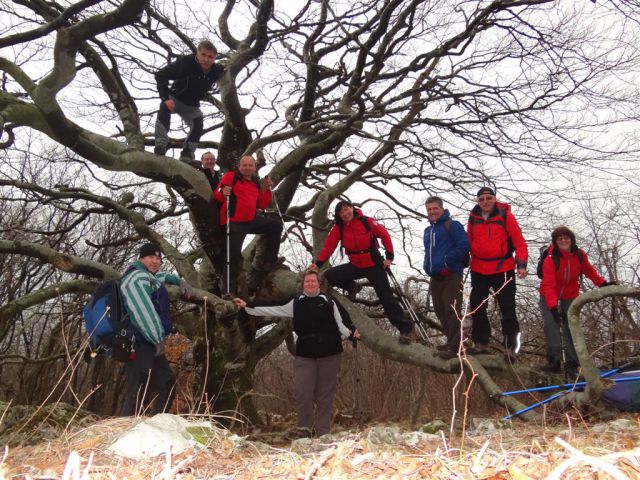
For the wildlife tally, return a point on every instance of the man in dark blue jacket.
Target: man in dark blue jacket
(192, 76)
(446, 249)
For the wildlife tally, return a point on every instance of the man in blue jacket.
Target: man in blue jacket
(192, 77)
(446, 249)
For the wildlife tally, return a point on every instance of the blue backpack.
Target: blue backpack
(106, 319)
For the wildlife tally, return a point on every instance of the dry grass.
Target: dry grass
(524, 452)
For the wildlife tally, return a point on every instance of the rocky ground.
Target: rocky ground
(170, 447)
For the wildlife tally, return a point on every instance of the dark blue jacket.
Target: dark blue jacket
(444, 249)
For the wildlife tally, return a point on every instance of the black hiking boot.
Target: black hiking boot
(448, 353)
(160, 149)
(552, 367)
(186, 155)
(512, 346)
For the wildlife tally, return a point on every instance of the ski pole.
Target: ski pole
(228, 259)
(407, 306)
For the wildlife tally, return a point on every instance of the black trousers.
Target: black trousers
(343, 276)
(270, 227)
(148, 378)
(446, 296)
(504, 284)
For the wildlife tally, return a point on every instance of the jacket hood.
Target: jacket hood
(443, 218)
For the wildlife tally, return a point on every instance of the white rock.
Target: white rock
(157, 435)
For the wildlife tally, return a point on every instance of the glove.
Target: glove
(186, 289)
(556, 315)
(444, 272)
(607, 284)
(159, 349)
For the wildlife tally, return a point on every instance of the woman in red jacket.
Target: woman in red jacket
(359, 236)
(561, 271)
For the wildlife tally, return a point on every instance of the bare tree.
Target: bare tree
(334, 98)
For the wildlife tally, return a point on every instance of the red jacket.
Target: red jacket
(249, 197)
(356, 238)
(489, 241)
(563, 283)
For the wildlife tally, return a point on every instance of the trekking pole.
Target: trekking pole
(564, 392)
(563, 364)
(407, 306)
(228, 256)
(551, 387)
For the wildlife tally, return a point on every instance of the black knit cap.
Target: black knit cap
(150, 249)
(484, 190)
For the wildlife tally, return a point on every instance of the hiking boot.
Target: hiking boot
(298, 433)
(443, 348)
(448, 353)
(160, 149)
(409, 337)
(186, 155)
(512, 344)
(228, 296)
(552, 367)
(573, 372)
(479, 349)
(353, 290)
(267, 267)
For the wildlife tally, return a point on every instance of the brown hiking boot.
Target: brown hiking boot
(409, 337)
(479, 349)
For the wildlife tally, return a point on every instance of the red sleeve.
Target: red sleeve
(264, 198)
(548, 285)
(226, 181)
(379, 231)
(330, 244)
(518, 241)
(590, 272)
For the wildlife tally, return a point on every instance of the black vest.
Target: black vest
(316, 327)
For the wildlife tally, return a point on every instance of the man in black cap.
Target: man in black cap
(146, 301)
(494, 237)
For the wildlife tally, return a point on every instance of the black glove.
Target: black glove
(556, 315)
(607, 284)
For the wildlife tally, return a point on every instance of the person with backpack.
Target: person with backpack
(446, 254)
(494, 237)
(359, 235)
(208, 163)
(146, 302)
(240, 194)
(192, 77)
(320, 329)
(561, 266)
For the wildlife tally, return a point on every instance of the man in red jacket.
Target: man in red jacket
(361, 244)
(242, 190)
(560, 285)
(494, 236)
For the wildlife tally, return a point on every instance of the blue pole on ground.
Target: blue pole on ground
(552, 387)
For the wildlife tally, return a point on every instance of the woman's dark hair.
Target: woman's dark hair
(336, 212)
(562, 230)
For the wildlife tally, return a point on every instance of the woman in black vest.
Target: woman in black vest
(320, 329)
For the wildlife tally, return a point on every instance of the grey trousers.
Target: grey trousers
(190, 115)
(315, 380)
(446, 291)
(552, 334)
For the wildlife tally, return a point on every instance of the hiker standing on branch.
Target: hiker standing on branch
(241, 194)
(320, 329)
(446, 254)
(560, 269)
(146, 301)
(494, 236)
(192, 76)
(359, 235)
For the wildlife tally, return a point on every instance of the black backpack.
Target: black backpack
(544, 253)
(467, 256)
